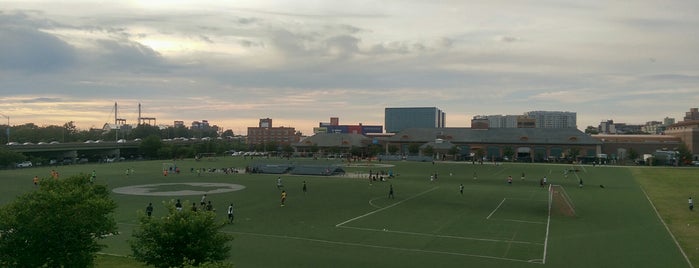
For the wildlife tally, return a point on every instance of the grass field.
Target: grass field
(344, 221)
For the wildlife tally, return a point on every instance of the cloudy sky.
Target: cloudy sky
(302, 62)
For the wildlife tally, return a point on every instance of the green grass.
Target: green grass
(346, 222)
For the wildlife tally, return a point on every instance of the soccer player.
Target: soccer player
(509, 180)
(461, 189)
(283, 198)
(390, 192)
(36, 180)
(178, 205)
(279, 183)
(691, 204)
(149, 209)
(230, 213)
(522, 176)
(304, 187)
(203, 200)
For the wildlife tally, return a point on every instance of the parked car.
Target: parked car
(121, 141)
(24, 164)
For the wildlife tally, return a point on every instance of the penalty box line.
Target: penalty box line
(384, 208)
(362, 245)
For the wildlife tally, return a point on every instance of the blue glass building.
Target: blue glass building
(397, 119)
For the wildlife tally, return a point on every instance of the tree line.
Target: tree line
(68, 132)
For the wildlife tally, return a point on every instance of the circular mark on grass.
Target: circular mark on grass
(179, 189)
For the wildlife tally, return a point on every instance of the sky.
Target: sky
(301, 62)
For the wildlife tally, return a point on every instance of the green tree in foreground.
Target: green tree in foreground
(181, 238)
(56, 225)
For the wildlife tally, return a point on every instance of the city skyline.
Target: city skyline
(302, 62)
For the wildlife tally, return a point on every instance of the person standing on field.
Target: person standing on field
(283, 198)
(230, 213)
(691, 204)
(461, 189)
(149, 209)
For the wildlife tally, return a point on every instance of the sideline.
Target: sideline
(667, 228)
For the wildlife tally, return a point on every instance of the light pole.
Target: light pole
(8, 127)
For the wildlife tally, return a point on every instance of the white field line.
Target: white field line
(532, 222)
(548, 224)
(689, 263)
(384, 208)
(445, 236)
(496, 209)
(379, 247)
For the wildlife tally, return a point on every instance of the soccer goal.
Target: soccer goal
(559, 201)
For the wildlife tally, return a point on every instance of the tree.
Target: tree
(429, 150)
(684, 154)
(509, 152)
(633, 155)
(56, 225)
(574, 153)
(8, 157)
(181, 238)
(413, 148)
(591, 130)
(150, 146)
(392, 149)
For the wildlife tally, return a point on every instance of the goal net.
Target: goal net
(559, 202)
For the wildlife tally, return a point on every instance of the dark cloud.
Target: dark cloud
(30, 50)
(127, 54)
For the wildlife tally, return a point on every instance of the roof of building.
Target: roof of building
(496, 135)
(335, 139)
(636, 138)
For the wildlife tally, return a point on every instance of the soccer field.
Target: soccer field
(344, 221)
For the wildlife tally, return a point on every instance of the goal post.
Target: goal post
(559, 201)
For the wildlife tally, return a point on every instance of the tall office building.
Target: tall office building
(398, 119)
(553, 119)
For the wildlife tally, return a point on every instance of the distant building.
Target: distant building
(609, 127)
(203, 124)
(692, 115)
(480, 122)
(501, 121)
(688, 131)
(553, 119)
(335, 127)
(265, 133)
(178, 124)
(398, 119)
(657, 127)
